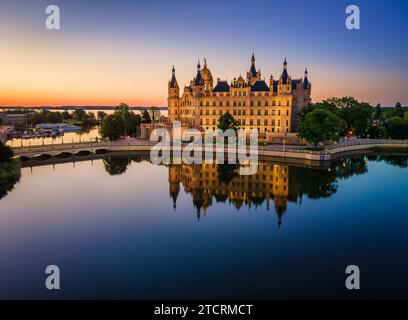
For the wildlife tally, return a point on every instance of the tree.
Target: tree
(54, 117)
(406, 116)
(130, 119)
(113, 127)
(6, 153)
(101, 115)
(227, 121)
(397, 128)
(377, 132)
(146, 117)
(398, 110)
(377, 112)
(66, 115)
(79, 115)
(154, 113)
(321, 125)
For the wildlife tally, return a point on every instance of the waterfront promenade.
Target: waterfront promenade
(278, 151)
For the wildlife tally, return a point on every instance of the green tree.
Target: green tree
(113, 127)
(321, 125)
(130, 119)
(377, 132)
(66, 115)
(54, 117)
(406, 116)
(146, 117)
(79, 115)
(227, 121)
(397, 128)
(398, 110)
(6, 153)
(101, 115)
(377, 112)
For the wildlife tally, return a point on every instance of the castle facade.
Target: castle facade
(271, 108)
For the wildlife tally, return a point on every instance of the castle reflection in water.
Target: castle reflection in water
(274, 185)
(214, 182)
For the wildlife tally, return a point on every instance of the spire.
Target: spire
(252, 70)
(306, 80)
(205, 63)
(284, 77)
(173, 81)
(198, 80)
(198, 66)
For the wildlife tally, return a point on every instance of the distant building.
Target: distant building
(271, 108)
(15, 118)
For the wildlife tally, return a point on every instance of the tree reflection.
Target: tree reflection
(10, 174)
(116, 166)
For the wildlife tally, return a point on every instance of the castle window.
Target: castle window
(214, 103)
(251, 122)
(201, 112)
(279, 103)
(266, 112)
(243, 103)
(259, 103)
(207, 103)
(287, 103)
(287, 112)
(207, 112)
(207, 122)
(243, 112)
(252, 103)
(220, 113)
(213, 112)
(287, 129)
(267, 94)
(201, 103)
(234, 112)
(265, 122)
(258, 122)
(235, 103)
(273, 103)
(273, 129)
(227, 104)
(279, 113)
(251, 112)
(287, 123)
(220, 103)
(239, 112)
(213, 122)
(244, 93)
(243, 122)
(279, 123)
(239, 103)
(273, 123)
(259, 112)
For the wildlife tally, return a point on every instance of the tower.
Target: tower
(285, 81)
(173, 99)
(207, 77)
(253, 75)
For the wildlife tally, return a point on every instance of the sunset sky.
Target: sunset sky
(109, 52)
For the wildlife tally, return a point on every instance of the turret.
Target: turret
(174, 90)
(285, 81)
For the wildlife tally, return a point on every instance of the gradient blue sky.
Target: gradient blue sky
(113, 51)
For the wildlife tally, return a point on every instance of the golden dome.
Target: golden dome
(206, 73)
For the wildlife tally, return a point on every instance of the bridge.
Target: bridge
(81, 148)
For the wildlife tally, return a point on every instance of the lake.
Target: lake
(121, 227)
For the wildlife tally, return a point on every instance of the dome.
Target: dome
(206, 73)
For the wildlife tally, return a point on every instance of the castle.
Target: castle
(271, 109)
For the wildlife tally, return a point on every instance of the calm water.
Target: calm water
(125, 228)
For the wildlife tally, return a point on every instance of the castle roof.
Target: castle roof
(260, 85)
(222, 86)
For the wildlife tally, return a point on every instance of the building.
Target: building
(16, 118)
(272, 108)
